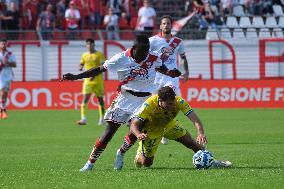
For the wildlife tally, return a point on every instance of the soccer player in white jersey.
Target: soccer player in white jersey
(169, 47)
(136, 69)
(7, 62)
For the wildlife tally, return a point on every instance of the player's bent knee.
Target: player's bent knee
(147, 162)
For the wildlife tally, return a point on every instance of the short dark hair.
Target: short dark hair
(90, 40)
(167, 17)
(166, 93)
(141, 40)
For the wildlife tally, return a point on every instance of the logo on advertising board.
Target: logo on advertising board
(199, 94)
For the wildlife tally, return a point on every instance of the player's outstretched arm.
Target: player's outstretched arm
(136, 127)
(184, 62)
(89, 73)
(172, 73)
(201, 138)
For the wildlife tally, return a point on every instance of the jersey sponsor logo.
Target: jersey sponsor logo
(167, 51)
(139, 73)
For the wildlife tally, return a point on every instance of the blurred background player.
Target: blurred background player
(156, 119)
(7, 62)
(92, 59)
(169, 47)
(136, 69)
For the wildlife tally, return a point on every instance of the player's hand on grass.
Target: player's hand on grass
(142, 136)
(201, 139)
(174, 73)
(69, 76)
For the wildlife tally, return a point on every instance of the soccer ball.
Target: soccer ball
(202, 159)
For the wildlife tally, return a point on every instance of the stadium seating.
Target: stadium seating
(226, 34)
(277, 32)
(278, 10)
(271, 22)
(257, 22)
(264, 33)
(245, 22)
(238, 34)
(251, 33)
(232, 22)
(238, 11)
(281, 22)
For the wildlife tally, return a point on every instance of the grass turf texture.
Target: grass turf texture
(46, 149)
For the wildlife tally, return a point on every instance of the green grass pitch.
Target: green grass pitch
(46, 149)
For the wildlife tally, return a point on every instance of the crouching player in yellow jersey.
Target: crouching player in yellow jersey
(92, 59)
(155, 119)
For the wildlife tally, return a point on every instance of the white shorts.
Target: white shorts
(5, 85)
(122, 107)
(163, 81)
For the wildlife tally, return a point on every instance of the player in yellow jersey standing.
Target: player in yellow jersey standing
(92, 59)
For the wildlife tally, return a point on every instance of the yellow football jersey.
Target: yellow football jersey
(156, 119)
(93, 60)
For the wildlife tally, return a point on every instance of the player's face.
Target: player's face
(90, 45)
(3, 45)
(168, 105)
(166, 26)
(141, 52)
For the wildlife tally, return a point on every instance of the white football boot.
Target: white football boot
(118, 164)
(87, 167)
(221, 164)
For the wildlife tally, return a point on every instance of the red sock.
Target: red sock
(97, 151)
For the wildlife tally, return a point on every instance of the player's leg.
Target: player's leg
(146, 151)
(129, 141)
(101, 111)
(86, 91)
(1, 104)
(114, 116)
(141, 160)
(100, 145)
(98, 89)
(4, 91)
(83, 109)
(129, 138)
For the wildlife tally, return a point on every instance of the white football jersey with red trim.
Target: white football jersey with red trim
(168, 50)
(135, 76)
(6, 72)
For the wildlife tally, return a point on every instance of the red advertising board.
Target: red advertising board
(200, 94)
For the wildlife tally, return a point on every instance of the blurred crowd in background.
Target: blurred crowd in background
(47, 16)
